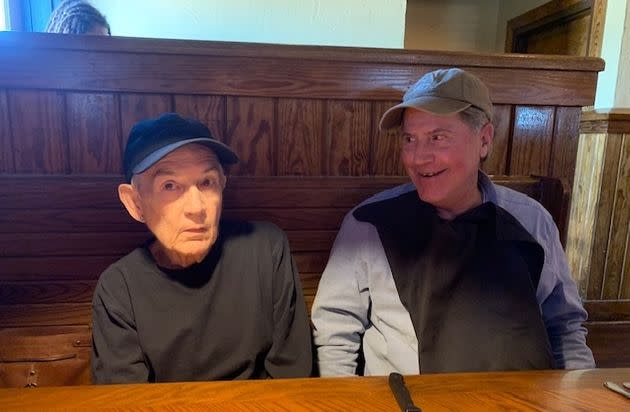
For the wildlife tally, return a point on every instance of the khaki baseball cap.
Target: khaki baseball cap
(441, 92)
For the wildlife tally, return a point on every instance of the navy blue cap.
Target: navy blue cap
(152, 139)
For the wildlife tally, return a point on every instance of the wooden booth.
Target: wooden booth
(303, 120)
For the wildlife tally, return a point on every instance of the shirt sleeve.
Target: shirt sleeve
(340, 310)
(562, 309)
(291, 353)
(116, 353)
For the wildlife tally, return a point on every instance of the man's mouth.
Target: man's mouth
(431, 174)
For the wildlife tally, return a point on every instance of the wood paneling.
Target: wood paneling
(93, 127)
(251, 133)
(300, 128)
(135, 107)
(608, 310)
(584, 209)
(40, 292)
(279, 71)
(209, 110)
(385, 154)
(531, 140)
(620, 225)
(6, 147)
(53, 314)
(609, 343)
(605, 205)
(348, 127)
(39, 131)
(497, 162)
(565, 143)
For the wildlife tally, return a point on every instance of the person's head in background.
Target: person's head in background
(77, 17)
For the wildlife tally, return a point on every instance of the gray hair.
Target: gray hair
(474, 118)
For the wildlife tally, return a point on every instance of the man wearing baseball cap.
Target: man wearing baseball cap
(204, 298)
(448, 273)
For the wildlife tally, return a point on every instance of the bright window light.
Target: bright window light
(3, 23)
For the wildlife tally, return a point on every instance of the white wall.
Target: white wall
(454, 25)
(608, 82)
(359, 23)
(462, 25)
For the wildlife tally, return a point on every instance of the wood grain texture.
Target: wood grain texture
(251, 134)
(38, 129)
(40, 292)
(210, 110)
(608, 310)
(42, 268)
(557, 390)
(584, 208)
(531, 140)
(93, 126)
(86, 268)
(300, 125)
(6, 146)
(54, 314)
(496, 164)
(601, 236)
(609, 343)
(249, 72)
(619, 227)
(385, 147)
(598, 19)
(348, 131)
(565, 143)
(135, 107)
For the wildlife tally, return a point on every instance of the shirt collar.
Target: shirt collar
(488, 191)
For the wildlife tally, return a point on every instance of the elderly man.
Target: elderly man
(449, 272)
(205, 298)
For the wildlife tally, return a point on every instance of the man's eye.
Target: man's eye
(408, 138)
(169, 186)
(208, 183)
(438, 137)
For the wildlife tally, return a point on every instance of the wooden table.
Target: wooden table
(517, 391)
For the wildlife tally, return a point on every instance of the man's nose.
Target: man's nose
(423, 153)
(195, 203)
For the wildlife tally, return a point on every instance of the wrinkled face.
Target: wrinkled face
(180, 198)
(442, 155)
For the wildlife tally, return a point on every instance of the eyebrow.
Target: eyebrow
(432, 131)
(167, 171)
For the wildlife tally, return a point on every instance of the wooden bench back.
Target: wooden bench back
(302, 119)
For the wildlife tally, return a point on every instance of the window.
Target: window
(3, 20)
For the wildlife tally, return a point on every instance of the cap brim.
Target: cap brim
(435, 105)
(224, 153)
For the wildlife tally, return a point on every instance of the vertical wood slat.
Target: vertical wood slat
(612, 153)
(300, 129)
(250, 133)
(531, 140)
(136, 107)
(93, 133)
(496, 163)
(209, 110)
(347, 138)
(6, 148)
(37, 128)
(385, 146)
(619, 225)
(583, 215)
(565, 143)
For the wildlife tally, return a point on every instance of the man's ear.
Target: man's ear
(129, 197)
(487, 137)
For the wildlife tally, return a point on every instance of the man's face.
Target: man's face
(441, 155)
(180, 198)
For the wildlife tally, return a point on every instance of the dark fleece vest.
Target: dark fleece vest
(468, 284)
